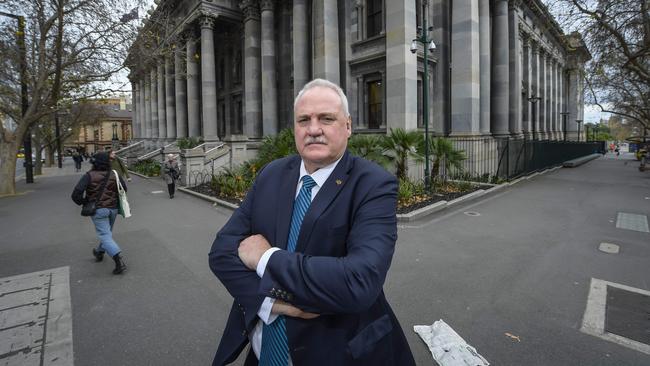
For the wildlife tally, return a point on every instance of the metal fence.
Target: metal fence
(489, 159)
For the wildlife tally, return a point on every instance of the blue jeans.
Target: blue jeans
(104, 219)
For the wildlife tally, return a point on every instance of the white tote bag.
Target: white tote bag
(123, 203)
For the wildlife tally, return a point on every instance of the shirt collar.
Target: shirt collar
(320, 175)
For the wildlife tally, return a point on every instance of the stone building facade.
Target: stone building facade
(228, 70)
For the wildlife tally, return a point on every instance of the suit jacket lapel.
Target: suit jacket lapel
(286, 196)
(323, 199)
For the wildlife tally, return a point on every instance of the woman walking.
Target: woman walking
(171, 174)
(100, 186)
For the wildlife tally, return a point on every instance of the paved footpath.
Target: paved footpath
(514, 280)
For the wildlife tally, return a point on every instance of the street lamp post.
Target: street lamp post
(533, 99)
(578, 121)
(27, 142)
(428, 45)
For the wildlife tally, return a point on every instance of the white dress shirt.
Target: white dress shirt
(264, 313)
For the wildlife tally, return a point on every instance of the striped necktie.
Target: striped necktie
(275, 346)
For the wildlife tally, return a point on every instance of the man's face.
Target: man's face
(111, 155)
(321, 127)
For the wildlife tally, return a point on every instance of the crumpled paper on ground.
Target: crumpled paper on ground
(447, 347)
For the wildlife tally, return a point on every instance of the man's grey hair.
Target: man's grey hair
(324, 84)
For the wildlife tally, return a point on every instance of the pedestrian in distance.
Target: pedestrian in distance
(99, 185)
(171, 174)
(78, 159)
(306, 254)
(117, 165)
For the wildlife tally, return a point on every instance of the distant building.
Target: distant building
(97, 132)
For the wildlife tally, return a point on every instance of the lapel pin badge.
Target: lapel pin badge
(339, 182)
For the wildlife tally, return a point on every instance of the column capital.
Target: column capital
(250, 9)
(267, 5)
(513, 4)
(207, 22)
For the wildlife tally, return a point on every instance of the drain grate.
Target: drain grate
(628, 314)
(634, 222)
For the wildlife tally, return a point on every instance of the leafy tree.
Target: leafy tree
(73, 48)
(617, 33)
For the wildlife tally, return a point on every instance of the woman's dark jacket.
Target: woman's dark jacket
(91, 184)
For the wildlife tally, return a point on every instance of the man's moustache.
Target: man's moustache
(312, 142)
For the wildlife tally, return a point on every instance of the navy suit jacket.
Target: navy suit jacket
(343, 254)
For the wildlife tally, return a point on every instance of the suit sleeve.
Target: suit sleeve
(240, 282)
(348, 284)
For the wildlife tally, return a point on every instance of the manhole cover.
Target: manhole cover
(472, 213)
(627, 314)
(608, 248)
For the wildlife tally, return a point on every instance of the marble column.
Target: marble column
(134, 110)
(554, 112)
(208, 81)
(162, 114)
(193, 102)
(485, 64)
(146, 103)
(180, 93)
(558, 99)
(326, 40)
(401, 66)
(549, 95)
(465, 75)
(141, 109)
(514, 103)
(527, 82)
(154, 102)
(170, 99)
(500, 97)
(252, 72)
(300, 45)
(534, 90)
(542, 93)
(269, 82)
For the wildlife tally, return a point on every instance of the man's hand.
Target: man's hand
(128, 179)
(251, 249)
(283, 308)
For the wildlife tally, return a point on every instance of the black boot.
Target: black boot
(120, 266)
(99, 255)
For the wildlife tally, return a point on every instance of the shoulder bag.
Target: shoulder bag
(123, 203)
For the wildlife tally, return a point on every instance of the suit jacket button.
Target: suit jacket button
(243, 332)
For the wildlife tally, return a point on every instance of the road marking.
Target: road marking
(593, 321)
(36, 319)
(634, 222)
(609, 248)
(157, 192)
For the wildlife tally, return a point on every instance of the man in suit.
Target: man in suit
(306, 254)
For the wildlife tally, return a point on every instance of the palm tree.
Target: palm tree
(399, 146)
(368, 147)
(445, 154)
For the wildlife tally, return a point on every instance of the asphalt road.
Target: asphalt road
(522, 267)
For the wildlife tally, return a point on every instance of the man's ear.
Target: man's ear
(348, 125)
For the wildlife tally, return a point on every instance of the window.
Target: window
(374, 17)
(418, 13)
(237, 67)
(238, 123)
(374, 91)
(222, 73)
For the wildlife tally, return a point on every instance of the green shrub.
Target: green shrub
(369, 147)
(188, 142)
(149, 167)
